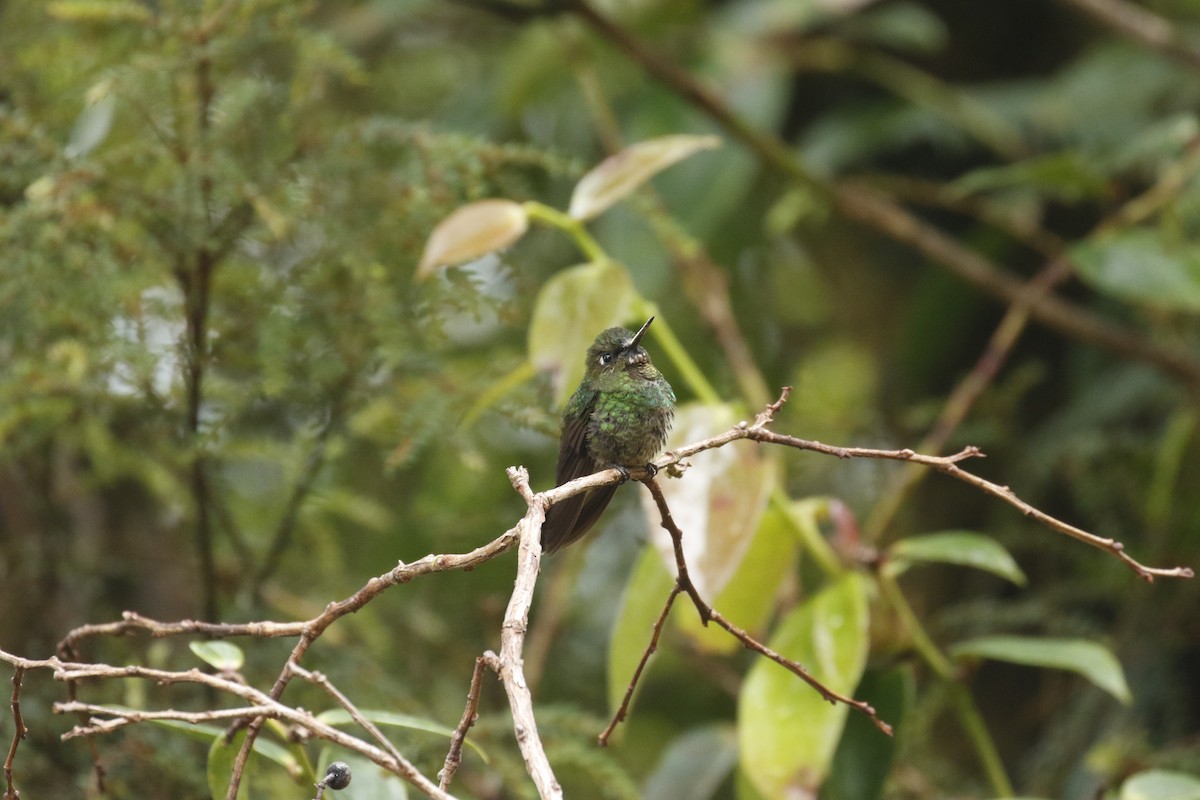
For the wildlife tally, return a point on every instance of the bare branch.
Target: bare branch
(320, 680)
(264, 707)
(512, 639)
(707, 612)
(19, 733)
(488, 660)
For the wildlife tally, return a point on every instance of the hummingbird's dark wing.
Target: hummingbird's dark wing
(570, 519)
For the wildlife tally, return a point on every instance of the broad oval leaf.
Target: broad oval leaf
(619, 174)
(718, 502)
(571, 308)
(224, 656)
(1161, 784)
(473, 231)
(787, 733)
(1089, 659)
(965, 548)
(749, 597)
(1139, 266)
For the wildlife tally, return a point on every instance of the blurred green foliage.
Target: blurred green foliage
(223, 394)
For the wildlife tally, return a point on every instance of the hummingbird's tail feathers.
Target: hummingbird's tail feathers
(573, 517)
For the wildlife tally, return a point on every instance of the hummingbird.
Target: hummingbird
(618, 417)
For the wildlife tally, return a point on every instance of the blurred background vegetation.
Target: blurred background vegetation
(224, 396)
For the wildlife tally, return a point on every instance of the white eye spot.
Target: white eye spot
(607, 358)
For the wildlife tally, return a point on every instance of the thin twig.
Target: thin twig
(488, 660)
(798, 669)
(655, 634)
(264, 707)
(683, 580)
(707, 612)
(19, 733)
(320, 680)
(949, 466)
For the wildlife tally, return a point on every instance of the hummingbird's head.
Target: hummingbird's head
(617, 350)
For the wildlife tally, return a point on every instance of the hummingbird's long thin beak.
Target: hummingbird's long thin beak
(637, 337)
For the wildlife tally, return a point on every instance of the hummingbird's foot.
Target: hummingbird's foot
(624, 471)
(651, 469)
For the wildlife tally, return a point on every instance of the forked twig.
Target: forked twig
(707, 612)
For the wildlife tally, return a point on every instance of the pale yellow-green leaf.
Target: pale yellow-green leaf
(787, 733)
(571, 308)
(98, 11)
(1161, 784)
(641, 603)
(717, 503)
(749, 597)
(619, 174)
(473, 231)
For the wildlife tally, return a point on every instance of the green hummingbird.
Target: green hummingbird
(618, 417)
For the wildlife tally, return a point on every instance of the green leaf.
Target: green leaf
(966, 548)
(572, 307)
(339, 716)
(1091, 660)
(1066, 176)
(94, 122)
(864, 758)
(694, 765)
(221, 757)
(749, 597)
(473, 231)
(641, 603)
(718, 504)
(1140, 266)
(787, 732)
(620, 174)
(1161, 784)
(271, 750)
(224, 656)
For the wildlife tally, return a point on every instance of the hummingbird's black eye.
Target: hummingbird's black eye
(607, 358)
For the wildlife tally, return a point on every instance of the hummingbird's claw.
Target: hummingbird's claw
(651, 469)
